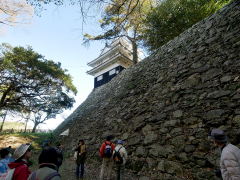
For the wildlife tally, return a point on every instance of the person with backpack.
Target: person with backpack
(18, 170)
(48, 169)
(106, 152)
(80, 149)
(230, 155)
(6, 158)
(119, 158)
(59, 154)
(45, 143)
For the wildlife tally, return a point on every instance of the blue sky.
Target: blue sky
(55, 36)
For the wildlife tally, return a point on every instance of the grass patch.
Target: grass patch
(14, 125)
(66, 155)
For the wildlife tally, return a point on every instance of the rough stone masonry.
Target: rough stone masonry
(164, 107)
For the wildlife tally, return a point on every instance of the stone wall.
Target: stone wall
(164, 107)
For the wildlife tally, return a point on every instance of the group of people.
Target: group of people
(17, 168)
(110, 155)
(229, 161)
(50, 160)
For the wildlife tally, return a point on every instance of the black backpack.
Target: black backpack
(117, 158)
(108, 150)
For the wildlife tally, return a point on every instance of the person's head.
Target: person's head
(81, 142)
(5, 153)
(218, 136)
(48, 155)
(23, 152)
(120, 142)
(108, 137)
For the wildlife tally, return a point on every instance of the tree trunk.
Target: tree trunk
(134, 46)
(26, 126)
(135, 53)
(35, 126)
(3, 121)
(4, 95)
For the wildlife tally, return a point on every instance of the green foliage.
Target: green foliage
(58, 142)
(33, 136)
(40, 142)
(33, 145)
(123, 18)
(32, 83)
(170, 18)
(51, 136)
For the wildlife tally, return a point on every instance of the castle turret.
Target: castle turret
(113, 59)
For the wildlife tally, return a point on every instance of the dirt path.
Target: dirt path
(16, 139)
(68, 169)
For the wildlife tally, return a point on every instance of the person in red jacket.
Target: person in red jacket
(21, 155)
(106, 152)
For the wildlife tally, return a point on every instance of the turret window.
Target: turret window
(112, 72)
(99, 78)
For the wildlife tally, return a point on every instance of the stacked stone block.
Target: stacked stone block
(164, 107)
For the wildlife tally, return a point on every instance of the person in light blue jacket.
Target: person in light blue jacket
(6, 158)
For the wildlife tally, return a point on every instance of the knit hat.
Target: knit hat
(120, 142)
(21, 150)
(4, 152)
(218, 135)
(108, 137)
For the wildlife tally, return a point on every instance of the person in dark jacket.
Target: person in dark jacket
(21, 155)
(81, 157)
(59, 153)
(47, 166)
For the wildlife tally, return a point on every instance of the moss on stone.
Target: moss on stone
(137, 166)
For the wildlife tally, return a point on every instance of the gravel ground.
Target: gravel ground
(68, 169)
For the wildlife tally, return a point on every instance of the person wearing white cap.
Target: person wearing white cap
(230, 157)
(120, 157)
(21, 155)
